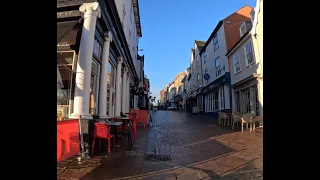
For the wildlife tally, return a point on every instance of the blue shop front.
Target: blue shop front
(217, 96)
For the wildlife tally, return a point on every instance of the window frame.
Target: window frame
(246, 55)
(215, 42)
(218, 67)
(237, 54)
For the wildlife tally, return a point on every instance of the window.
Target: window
(255, 100)
(131, 13)
(97, 48)
(236, 63)
(218, 67)
(198, 77)
(212, 101)
(252, 16)
(65, 83)
(123, 14)
(247, 108)
(216, 100)
(204, 57)
(197, 59)
(215, 42)
(248, 53)
(243, 29)
(94, 86)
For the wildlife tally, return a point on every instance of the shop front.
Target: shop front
(246, 96)
(217, 96)
(94, 68)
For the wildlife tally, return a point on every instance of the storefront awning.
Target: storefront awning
(63, 28)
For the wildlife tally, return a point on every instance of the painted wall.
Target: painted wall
(209, 65)
(197, 68)
(245, 71)
(227, 96)
(257, 39)
(125, 11)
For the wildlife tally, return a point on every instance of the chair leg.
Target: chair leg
(109, 146)
(242, 126)
(92, 147)
(114, 144)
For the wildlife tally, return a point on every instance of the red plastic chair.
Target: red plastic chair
(133, 119)
(101, 131)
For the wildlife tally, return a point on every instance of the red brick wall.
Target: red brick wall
(231, 30)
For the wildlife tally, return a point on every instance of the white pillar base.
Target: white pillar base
(83, 116)
(103, 116)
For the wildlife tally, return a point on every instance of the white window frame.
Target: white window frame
(237, 54)
(243, 25)
(218, 68)
(246, 55)
(252, 15)
(124, 13)
(204, 57)
(215, 42)
(197, 60)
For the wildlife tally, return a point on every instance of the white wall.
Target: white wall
(129, 25)
(212, 55)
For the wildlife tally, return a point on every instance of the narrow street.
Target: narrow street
(195, 146)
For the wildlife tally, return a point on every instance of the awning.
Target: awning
(63, 28)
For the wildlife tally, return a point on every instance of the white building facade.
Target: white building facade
(95, 65)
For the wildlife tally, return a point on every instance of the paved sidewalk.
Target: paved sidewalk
(197, 147)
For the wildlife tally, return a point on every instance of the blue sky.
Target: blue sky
(169, 28)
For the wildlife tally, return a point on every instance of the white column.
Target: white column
(118, 87)
(128, 93)
(124, 91)
(83, 74)
(104, 76)
(110, 102)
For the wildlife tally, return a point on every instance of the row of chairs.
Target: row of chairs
(231, 118)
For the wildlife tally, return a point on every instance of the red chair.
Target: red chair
(101, 131)
(133, 119)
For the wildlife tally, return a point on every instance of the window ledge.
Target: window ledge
(237, 72)
(249, 65)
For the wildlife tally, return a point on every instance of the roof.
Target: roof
(135, 4)
(238, 42)
(211, 36)
(218, 26)
(200, 43)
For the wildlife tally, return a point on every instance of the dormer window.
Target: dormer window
(244, 27)
(252, 16)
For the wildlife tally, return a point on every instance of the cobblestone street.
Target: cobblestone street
(197, 147)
